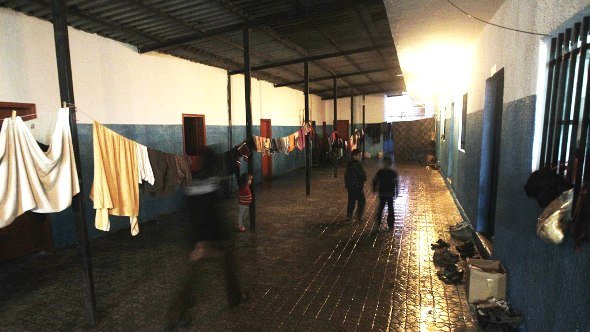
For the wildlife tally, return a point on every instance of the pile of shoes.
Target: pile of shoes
(462, 231)
(497, 315)
(467, 250)
(447, 261)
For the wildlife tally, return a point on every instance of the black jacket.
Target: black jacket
(387, 181)
(354, 176)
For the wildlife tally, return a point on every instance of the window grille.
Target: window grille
(565, 143)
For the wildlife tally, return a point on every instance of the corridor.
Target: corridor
(306, 268)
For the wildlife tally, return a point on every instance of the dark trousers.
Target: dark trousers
(195, 278)
(355, 195)
(390, 217)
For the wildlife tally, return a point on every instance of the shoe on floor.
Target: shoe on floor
(460, 225)
(464, 234)
(439, 244)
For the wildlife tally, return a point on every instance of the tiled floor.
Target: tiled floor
(305, 268)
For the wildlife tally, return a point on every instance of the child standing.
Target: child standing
(244, 199)
(354, 180)
(386, 179)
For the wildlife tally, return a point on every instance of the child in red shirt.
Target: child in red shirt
(244, 199)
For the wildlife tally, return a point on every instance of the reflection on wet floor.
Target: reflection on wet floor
(306, 268)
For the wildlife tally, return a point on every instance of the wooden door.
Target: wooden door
(342, 127)
(266, 131)
(194, 133)
(30, 232)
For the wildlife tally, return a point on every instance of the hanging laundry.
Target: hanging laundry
(115, 190)
(31, 179)
(164, 169)
(266, 142)
(284, 145)
(292, 139)
(300, 139)
(273, 146)
(143, 165)
(183, 170)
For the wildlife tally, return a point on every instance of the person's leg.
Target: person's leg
(351, 201)
(241, 214)
(390, 212)
(183, 298)
(380, 210)
(361, 203)
(233, 289)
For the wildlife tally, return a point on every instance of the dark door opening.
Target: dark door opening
(451, 144)
(342, 128)
(266, 131)
(490, 154)
(30, 232)
(194, 133)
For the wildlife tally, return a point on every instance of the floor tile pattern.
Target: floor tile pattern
(305, 269)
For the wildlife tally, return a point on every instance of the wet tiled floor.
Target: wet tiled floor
(306, 268)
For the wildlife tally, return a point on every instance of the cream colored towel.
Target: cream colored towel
(31, 179)
(115, 189)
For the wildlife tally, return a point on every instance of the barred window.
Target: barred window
(564, 144)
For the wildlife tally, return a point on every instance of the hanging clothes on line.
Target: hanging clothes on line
(165, 174)
(115, 189)
(31, 179)
(144, 166)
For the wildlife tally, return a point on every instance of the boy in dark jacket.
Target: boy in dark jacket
(386, 179)
(354, 180)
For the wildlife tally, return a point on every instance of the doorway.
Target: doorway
(193, 133)
(30, 232)
(451, 145)
(342, 128)
(266, 131)
(490, 154)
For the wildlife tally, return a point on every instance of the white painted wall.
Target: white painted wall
(517, 53)
(116, 85)
(374, 109)
(284, 106)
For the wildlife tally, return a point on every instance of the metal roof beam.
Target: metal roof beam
(325, 8)
(383, 92)
(357, 87)
(325, 78)
(315, 58)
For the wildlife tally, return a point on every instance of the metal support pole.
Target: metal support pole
(66, 89)
(307, 140)
(230, 137)
(364, 136)
(248, 102)
(351, 113)
(335, 86)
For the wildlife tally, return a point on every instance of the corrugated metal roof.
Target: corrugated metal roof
(281, 31)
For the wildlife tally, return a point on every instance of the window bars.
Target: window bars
(567, 107)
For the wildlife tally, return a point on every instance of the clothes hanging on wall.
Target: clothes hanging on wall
(31, 179)
(115, 190)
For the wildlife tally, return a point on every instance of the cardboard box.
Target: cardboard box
(485, 279)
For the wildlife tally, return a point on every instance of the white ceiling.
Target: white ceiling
(434, 39)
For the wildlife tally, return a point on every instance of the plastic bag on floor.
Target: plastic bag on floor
(554, 220)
